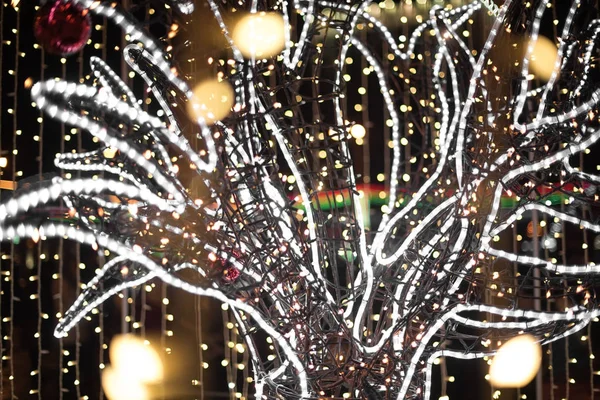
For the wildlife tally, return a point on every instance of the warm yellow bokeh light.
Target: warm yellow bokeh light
(516, 362)
(543, 58)
(212, 101)
(260, 35)
(137, 361)
(109, 152)
(358, 131)
(118, 386)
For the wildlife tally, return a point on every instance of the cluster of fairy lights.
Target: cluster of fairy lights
(256, 239)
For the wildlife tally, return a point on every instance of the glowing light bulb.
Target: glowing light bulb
(212, 101)
(118, 386)
(516, 362)
(543, 58)
(260, 35)
(358, 131)
(109, 152)
(136, 361)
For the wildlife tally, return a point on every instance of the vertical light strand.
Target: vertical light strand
(165, 351)
(163, 328)
(14, 175)
(406, 101)
(234, 355)
(2, 357)
(550, 350)
(246, 363)
(228, 358)
(567, 372)
(564, 260)
(101, 345)
(586, 260)
(365, 122)
(61, 248)
(548, 294)
(591, 360)
(77, 291)
(143, 312)
(515, 249)
(551, 368)
(364, 110)
(199, 343)
(77, 332)
(197, 299)
(145, 107)
(124, 77)
(488, 296)
(132, 312)
(77, 245)
(551, 345)
(39, 244)
(407, 154)
(386, 129)
(537, 303)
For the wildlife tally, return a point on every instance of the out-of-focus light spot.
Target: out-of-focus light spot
(109, 152)
(118, 386)
(260, 35)
(139, 362)
(358, 131)
(543, 58)
(516, 362)
(212, 101)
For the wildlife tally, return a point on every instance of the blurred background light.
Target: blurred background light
(260, 35)
(516, 362)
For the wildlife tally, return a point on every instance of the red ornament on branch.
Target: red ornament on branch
(231, 274)
(62, 28)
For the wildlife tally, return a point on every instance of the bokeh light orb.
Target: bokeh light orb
(543, 58)
(358, 131)
(211, 101)
(118, 386)
(135, 359)
(260, 35)
(516, 363)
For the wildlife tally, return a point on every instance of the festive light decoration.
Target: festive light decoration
(232, 211)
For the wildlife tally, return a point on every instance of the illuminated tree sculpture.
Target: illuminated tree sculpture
(261, 209)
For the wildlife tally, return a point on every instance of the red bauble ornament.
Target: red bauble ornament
(62, 28)
(231, 274)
